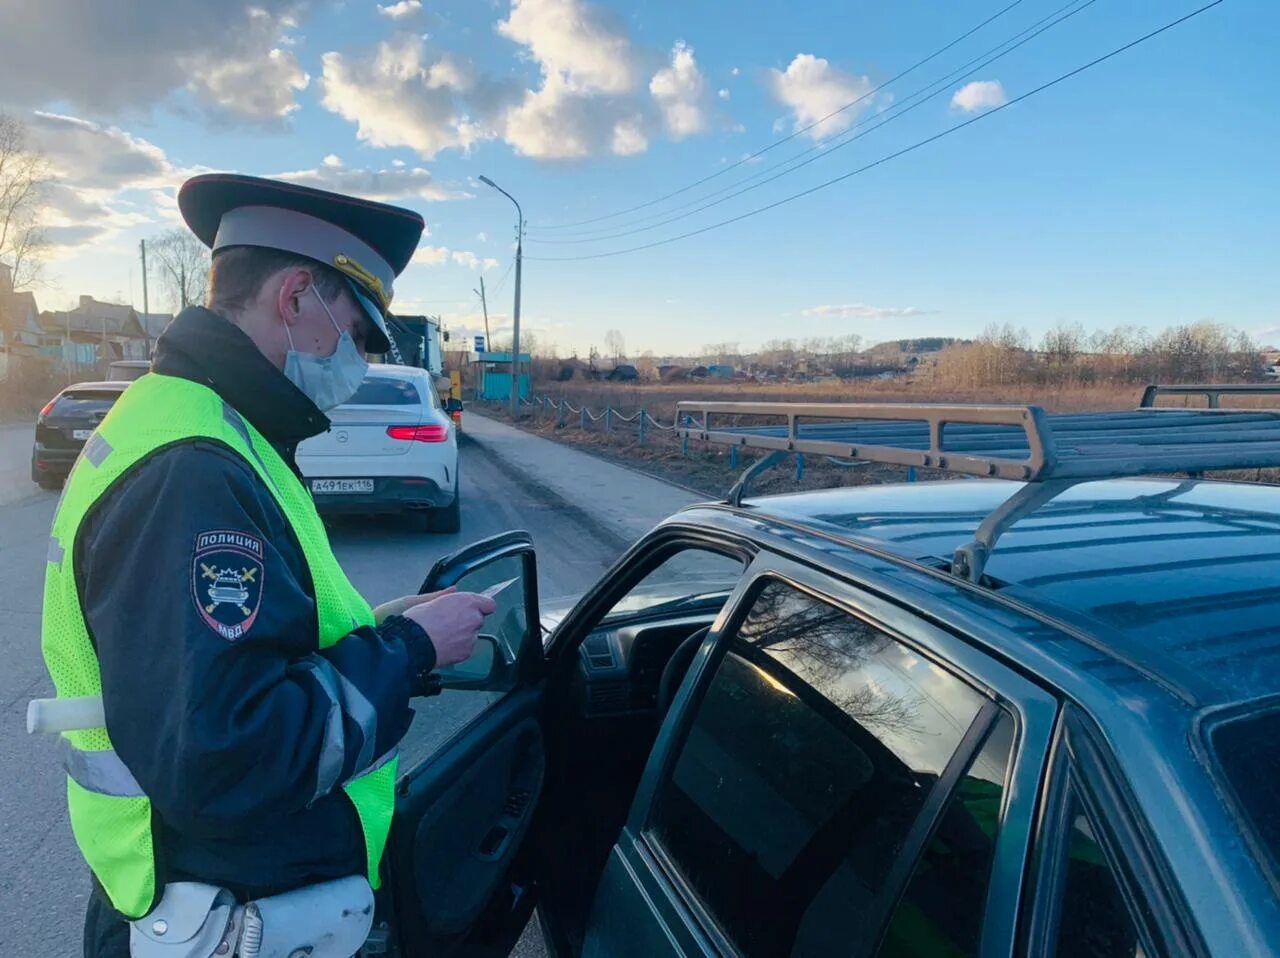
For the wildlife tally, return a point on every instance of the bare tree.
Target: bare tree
(183, 262)
(24, 175)
(615, 344)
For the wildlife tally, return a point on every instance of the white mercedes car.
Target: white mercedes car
(391, 449)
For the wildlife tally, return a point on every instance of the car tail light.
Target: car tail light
(48, 407)
(432, 432)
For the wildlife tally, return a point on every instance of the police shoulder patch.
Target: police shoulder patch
(226, 581)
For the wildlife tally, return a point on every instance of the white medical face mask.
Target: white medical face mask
(328, 381)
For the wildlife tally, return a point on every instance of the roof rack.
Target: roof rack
(1019, 442)
(1213, 392)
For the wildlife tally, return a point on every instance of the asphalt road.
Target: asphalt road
(43, 884)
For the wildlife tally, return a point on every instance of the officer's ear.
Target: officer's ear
(295, 284)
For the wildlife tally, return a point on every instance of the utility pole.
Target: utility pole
(515, 330)
(146, 308)
(485, 306)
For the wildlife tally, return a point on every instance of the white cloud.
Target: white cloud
(723, 94)
(588, 71)
(231, 57)
(979, 95)
(260, 83)
(734, 72)
(813, 89)
(333, 161)
(574, 41)
(629, 137)
(397, 163)
(385, 186)
(472, 261)
(431, 255)
(862, 311)
(401, 97)
(482, 237)
(86, 155)
(440, 255)
(679, 90)
(589, 98)
(106, 181)
(401, 10)
(551, 123)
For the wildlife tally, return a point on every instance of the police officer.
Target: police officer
(253, 699)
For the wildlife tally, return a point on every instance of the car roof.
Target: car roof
(1181, 575)
(397, 371)
(117, 385)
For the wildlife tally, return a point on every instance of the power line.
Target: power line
(898, 153)
(747, 159)
(895, 113)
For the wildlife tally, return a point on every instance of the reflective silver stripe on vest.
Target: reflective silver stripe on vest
(97, 449)
(345, 699)
(55, 550)
(333, 750)
(101, 772)
(235, 422)
(362, 712)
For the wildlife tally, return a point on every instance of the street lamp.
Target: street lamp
(515, 328)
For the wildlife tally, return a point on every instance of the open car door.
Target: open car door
(464, 807)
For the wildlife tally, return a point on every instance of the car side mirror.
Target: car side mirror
(482, 670)
(504, 568)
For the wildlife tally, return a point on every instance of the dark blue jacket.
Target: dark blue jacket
(225, 736)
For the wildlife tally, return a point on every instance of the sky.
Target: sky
(1140, 192)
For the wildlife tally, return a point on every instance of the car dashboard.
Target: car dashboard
(620, 666)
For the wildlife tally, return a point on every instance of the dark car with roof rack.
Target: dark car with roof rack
(1035, 712)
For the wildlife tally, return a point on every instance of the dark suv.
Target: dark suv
(63, 427)
(984, 717)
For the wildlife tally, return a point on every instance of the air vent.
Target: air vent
(609, 697)
(599, 652)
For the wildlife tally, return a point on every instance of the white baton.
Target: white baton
(51, 716)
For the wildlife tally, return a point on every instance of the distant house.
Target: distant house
(20, 332)
(103, 332)
(155, 323)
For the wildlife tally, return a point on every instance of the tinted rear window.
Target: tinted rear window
(384, 391)
(1248, 753)
(86, 400)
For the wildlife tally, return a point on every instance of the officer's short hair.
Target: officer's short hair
(238, 272)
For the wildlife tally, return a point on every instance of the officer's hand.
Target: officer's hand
(453, 621)
(405, 602)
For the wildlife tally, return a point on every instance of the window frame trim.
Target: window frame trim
(1082, 769)
(1033, 709)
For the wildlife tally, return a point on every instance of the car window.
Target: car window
(86, 400)
(1247, 750)
(1093, 921)
(807, 762)
(385, 391)
(941, 911)
(693, 579)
